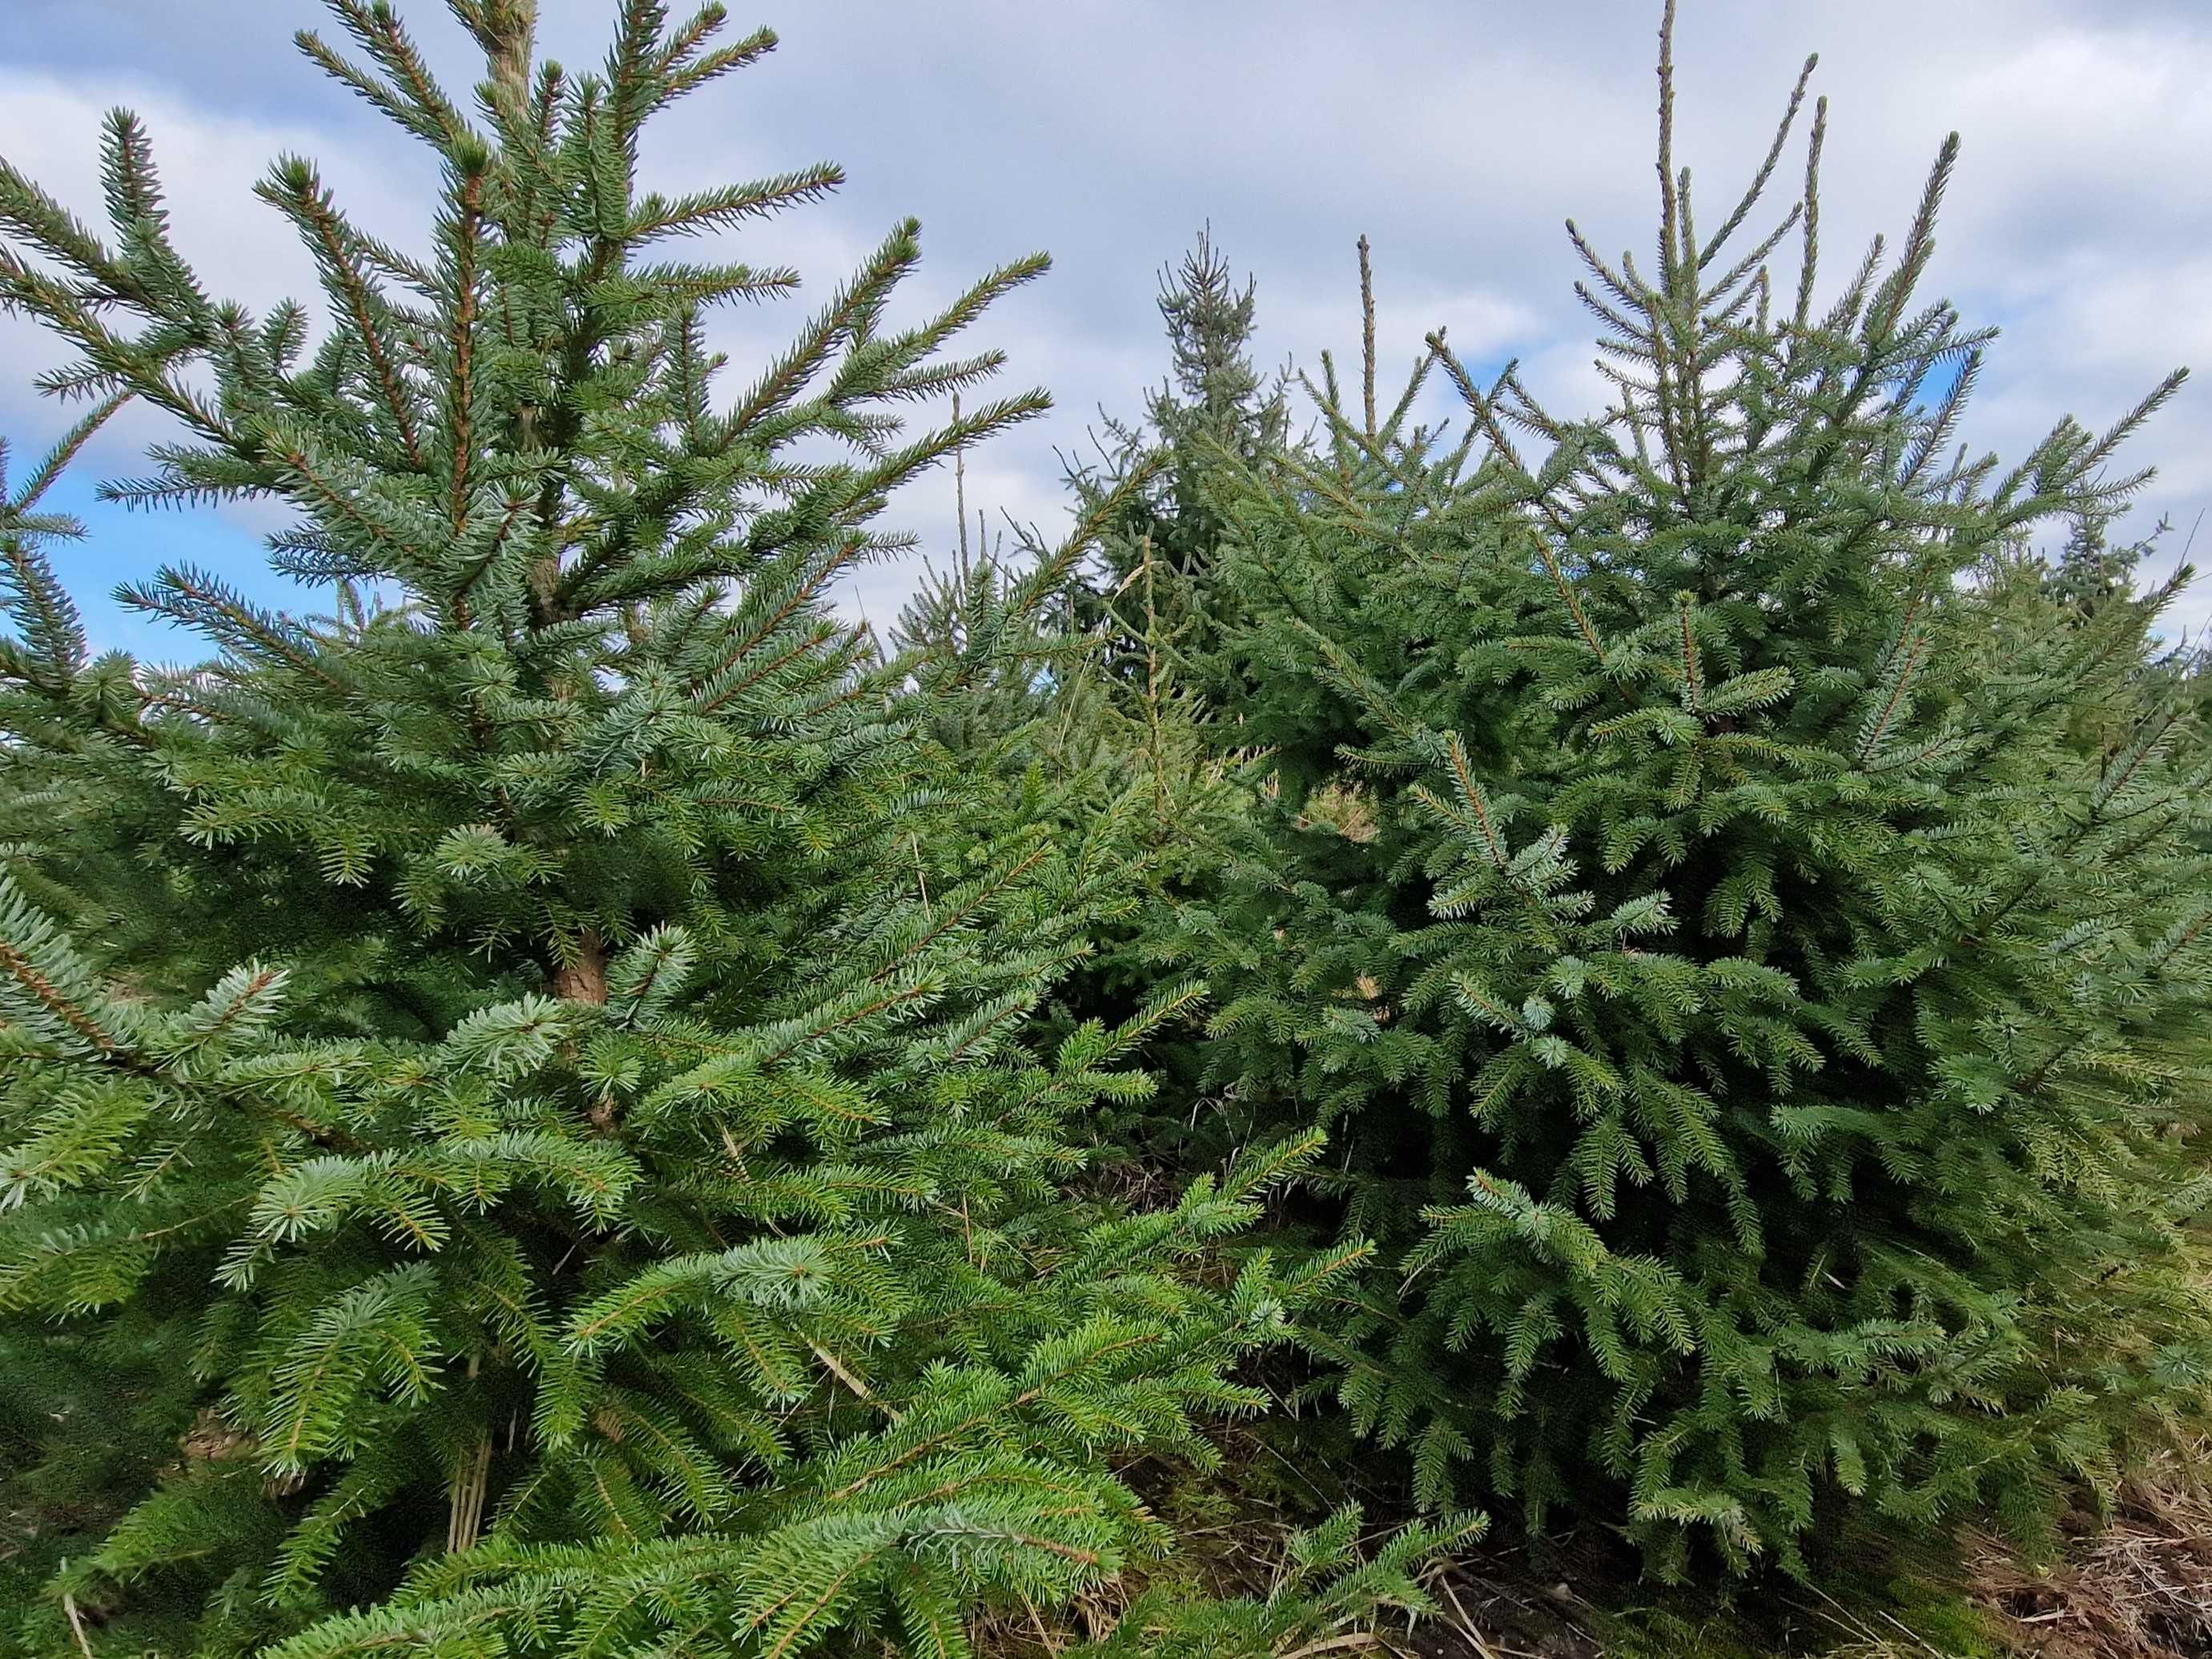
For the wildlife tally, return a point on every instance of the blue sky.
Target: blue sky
(1456, 136)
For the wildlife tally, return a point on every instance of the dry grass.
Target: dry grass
(1349, 811)
(2139, 1589)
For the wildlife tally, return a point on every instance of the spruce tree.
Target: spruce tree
(566, 1103)
(87, 1413)
(1748, 946)
(2089, 570)
(1215, 406)
(1153, 579)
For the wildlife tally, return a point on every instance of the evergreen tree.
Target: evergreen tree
(2090, 571)
(1153, 578)
(992, 640)
(558, 1106)
(568, 1111)
(990, 644)
(1323, 1586)
(1760, 1031)
(87, 1414)
(1215, 406)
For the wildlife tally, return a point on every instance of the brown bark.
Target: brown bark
(583, 977)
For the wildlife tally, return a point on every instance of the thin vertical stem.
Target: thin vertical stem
(960, 487)
(1367, 336)
(1154, 736)
(471, 1481)
(1668, 204)
(470, 1487)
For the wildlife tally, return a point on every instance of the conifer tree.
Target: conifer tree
(992, 638)
(2090, 570)
(1215, 406)
(1152, 578)
(87, 1415)
(1025, 697)
(1762, 1033)
(567, 1109)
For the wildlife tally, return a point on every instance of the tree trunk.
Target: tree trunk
(583, 977)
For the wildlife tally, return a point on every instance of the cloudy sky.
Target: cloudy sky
(1456, 136)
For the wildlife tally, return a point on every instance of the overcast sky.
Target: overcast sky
(1457, 136)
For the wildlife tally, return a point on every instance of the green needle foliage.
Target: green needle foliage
(1161, 527)
(580, 1104)
(1750, 946)
(568, 1113)
(87, 1412)
(1323, 1586)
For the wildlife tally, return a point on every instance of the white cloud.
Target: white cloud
(208, 162)
(1456, 136)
